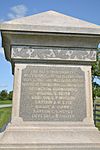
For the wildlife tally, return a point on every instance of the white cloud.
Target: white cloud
(1, 20)
(0, 40)
(1, 48)
(17, 11)
(1, 51)
(99, 45)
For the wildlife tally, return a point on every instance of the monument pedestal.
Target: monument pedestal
(52, 98)
(55, 138)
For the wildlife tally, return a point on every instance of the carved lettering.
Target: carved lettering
(52, 93)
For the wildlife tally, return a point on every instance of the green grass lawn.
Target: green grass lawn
(98, 112)
(98, 125)
(5, 114)
(5, 102)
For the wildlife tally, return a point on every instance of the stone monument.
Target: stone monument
(51, 56)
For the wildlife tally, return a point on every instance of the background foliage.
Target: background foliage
(4, 95)
(96, 75)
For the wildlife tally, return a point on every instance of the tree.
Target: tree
(3, 95)
(10, 95)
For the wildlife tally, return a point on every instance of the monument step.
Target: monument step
(55, 146)
(25, 136)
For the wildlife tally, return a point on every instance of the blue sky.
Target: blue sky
(88, 10)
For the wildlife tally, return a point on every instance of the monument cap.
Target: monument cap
(51, 21)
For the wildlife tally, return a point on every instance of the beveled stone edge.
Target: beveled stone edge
(43, 146)
(54, 29)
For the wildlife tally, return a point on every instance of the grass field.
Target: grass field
(5, 114)
(5, 102)
(98, 125)
(98, 112)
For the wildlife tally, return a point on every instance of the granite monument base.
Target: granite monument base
(58, 138)
(55, 114)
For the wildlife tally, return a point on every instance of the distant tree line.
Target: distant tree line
(4, 95)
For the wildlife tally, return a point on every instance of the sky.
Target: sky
(88, 10)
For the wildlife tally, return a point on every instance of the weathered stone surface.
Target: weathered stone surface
(53, 93)
(52, 101)
(52, 53)
(51, 147)
(42, 138)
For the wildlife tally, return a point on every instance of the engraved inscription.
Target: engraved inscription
(52, 93)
